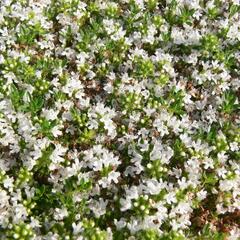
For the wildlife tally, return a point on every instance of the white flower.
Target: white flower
(19, 213)
(119, 34)
(153, 186)
(222, 157)
(162, 129)
(8, 183)
(112, 177)
(119, 224)
(183, 208)
(98, 157)
(222, 172)
(226, 185)
(56, 132)
(125, 204)
(99, 207)
(150, 34)
(57, 156)
(50, 114)
(35, 223)
(201, 195)
(140, 3)
(235, 232)
(60, 214)
(208, 163)
(183, 183)
(77, 228)
(109, 26)
(1, 59)
(234, 146)
(3, 198)
(170, 197)
(162, 152)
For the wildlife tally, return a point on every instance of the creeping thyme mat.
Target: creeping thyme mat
(119, 120)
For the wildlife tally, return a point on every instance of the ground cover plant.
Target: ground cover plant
(119, 119)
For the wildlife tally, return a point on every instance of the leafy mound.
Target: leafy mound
(119, 119)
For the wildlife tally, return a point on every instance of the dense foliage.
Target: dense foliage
(119, 119)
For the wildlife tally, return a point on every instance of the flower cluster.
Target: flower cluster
(119, 119)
